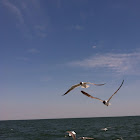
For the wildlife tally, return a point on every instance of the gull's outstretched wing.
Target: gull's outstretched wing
(91, 96)
(115, 91)
(94, 84)
(71, 89)
(73, 136)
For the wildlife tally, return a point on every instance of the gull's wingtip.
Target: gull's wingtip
(63, 94)
(123, 81)
(103, 84)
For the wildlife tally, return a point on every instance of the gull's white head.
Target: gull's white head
(105, 102)
(81, 83)
(84, 85)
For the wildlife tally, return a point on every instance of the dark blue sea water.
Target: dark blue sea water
(54, 129)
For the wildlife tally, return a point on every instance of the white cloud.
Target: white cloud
(13, 8)
(94, 46)
(76, 27)
(33, 51)
(126, 63)
(27, 14)
(41, 30)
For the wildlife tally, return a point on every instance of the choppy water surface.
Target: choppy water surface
(54, 129)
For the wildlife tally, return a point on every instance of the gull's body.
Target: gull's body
(83, 85)
(105, 129)
(105, 102)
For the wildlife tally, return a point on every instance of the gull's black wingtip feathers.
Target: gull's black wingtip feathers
(82, 91)
(86, 94)
(64, 94)
(122, 82)
(101, 84)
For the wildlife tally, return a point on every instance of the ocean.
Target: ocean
(126, 128)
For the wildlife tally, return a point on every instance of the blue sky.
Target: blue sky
(48, 46)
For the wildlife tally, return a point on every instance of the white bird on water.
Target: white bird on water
(105, 129)
(73, 135)
(85, 138)
(83, 85)
(120, 138)
(105, 102)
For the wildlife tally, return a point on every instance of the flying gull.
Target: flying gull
(105, 102)
(83, 85)
(72, 134)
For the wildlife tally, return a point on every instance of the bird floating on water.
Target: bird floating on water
(83, 85)
(105, 129)
(120, 138)
(73, 135)
(85, 138)
(105, 102)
